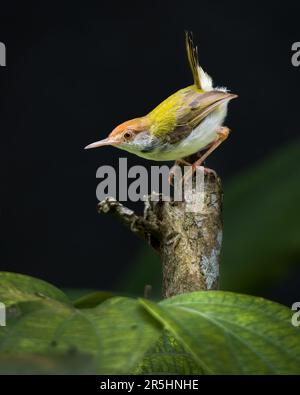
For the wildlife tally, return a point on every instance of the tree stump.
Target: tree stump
(189, 243)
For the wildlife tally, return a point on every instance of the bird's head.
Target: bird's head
(131, 135)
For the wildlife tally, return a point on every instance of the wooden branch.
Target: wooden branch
(189, 243)
(146, 229)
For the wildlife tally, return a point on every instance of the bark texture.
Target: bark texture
(189, 243)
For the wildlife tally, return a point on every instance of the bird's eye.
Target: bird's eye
(127, 135)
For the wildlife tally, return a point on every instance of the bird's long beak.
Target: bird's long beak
(101, 143)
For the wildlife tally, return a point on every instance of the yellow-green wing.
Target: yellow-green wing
(182, 112)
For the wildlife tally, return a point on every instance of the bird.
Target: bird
(189, 121)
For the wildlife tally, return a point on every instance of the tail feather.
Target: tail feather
(201, 79)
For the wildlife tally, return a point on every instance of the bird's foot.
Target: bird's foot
(209, 171)
(191, 172)
(172, 172)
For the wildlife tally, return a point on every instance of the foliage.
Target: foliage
(201, 332)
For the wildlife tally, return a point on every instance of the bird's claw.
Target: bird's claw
(209, 171)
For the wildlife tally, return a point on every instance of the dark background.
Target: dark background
(76, 70)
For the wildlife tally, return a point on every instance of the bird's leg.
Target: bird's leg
(223, 133)
(177, 163)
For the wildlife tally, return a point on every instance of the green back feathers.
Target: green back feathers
(163, 117)
(168, 114)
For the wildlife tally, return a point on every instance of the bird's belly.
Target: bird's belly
(198, 139)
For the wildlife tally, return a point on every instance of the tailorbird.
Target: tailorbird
(185, 123)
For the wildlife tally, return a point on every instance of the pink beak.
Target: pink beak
(107, 141)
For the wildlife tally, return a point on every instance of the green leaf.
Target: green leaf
(229, 333)
(75, 293)
(50, 364)
(168, 356)
(115, 334)
(127, 332)
(45, 327)
(20, 288)
(92, 299)
(202, 332)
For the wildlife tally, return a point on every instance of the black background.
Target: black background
(76, 70)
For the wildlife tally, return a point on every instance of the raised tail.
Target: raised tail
(201, 79)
